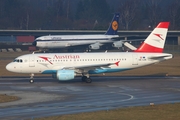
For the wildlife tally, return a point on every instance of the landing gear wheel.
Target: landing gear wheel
(88, 80)
(83, 78)
(31, 81)
(31, 78)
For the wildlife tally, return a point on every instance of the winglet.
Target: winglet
(113, 28)
(156, 40)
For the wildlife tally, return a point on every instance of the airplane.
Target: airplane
(92, 41)
(66, 66)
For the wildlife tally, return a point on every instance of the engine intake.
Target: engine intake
(117, 44)
(94, 46)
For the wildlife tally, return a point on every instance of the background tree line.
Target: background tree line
(87, 14)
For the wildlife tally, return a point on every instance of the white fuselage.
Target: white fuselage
(62, 41)
(94, 63)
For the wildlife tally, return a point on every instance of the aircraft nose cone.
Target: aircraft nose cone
(8, 67)
(34, 43)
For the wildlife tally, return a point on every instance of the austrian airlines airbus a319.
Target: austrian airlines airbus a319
(65, 66)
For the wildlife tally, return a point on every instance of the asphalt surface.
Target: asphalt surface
(48, 97)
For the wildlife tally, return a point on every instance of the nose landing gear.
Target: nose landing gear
(31, 78)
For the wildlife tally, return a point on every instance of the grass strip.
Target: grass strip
(7, 98)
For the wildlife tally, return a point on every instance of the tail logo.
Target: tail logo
(114, 25)
(159, 35)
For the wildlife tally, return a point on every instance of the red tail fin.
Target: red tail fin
(156, 40)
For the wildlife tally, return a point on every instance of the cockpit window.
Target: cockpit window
(15, 60)
(18, 60)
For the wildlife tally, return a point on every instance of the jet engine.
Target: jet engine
(64, 75)
(117, 44)
(94, 46)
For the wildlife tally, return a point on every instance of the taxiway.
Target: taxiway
(48, 97)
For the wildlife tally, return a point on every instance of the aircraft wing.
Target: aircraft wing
(123, 36)
(86, 68)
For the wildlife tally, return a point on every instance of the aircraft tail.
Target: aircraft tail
(113, 28)
(156, 40)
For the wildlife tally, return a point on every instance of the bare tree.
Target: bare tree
(174, 13)
(58, 6)
(67, 12)
(154, 11)
(128, 11)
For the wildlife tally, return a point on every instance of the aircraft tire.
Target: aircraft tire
(88, 80)
(31, 81)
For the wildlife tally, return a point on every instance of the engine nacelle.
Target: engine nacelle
(117, 44)
(65, 75)
(94, 46)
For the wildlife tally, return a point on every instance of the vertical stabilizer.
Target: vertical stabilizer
(156, 40)
(113, 28)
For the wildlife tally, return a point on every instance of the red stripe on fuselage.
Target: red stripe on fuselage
(148, 48)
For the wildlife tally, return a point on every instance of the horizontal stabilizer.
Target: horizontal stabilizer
(160, 57)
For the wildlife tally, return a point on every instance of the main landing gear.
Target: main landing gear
(86, 79)
(31, 78)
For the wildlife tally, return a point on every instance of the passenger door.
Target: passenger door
(31, 61)
(135, 60)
